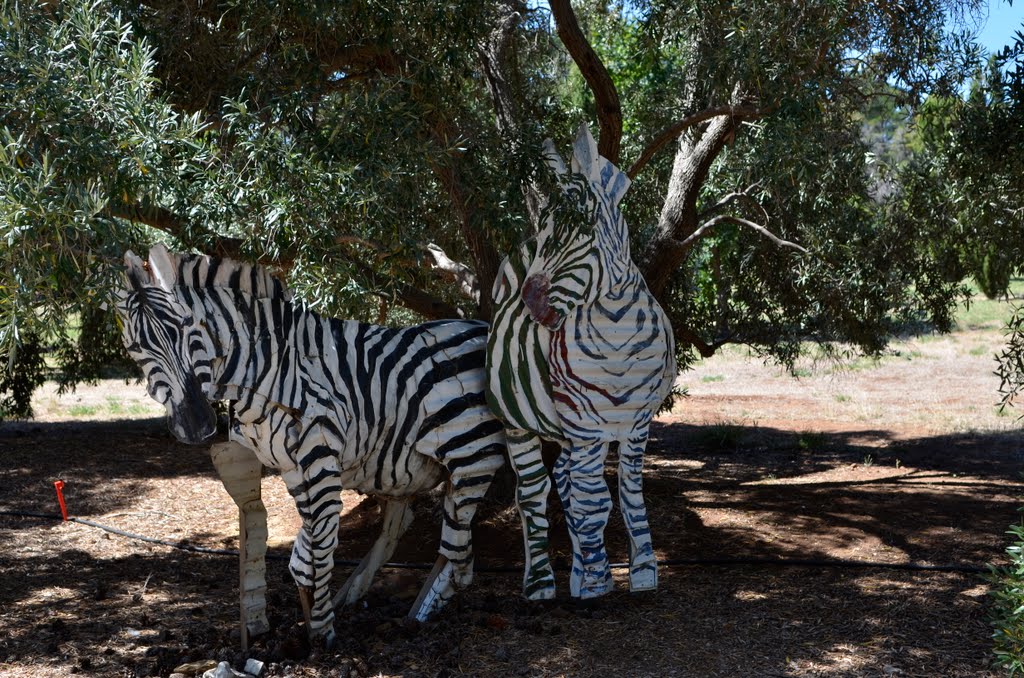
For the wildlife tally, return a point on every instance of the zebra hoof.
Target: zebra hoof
(545, 591)
(437, 591)
(325, 642)
(590, 582)
(596, 590)
(643, 578)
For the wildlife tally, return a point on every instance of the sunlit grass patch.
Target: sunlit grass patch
(983, 313)
(83, 410)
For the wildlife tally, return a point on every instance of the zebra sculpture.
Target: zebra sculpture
(332, 404)
(581, 354)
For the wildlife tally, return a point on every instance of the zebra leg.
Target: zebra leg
(317, 493)
(561, 474)
(589, 509)
(532, 488)
(470, 478)
(643, 567)
(398, 517)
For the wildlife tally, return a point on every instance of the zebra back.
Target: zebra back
(386, 400)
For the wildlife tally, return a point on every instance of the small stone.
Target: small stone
(223, 670)
(179, 675)
(254, 667)
(198, 667)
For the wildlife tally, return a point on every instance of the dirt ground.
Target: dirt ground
(905, 461)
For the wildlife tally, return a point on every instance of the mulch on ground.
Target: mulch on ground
(77, 600)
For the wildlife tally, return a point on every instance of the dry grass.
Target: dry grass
(924, 385)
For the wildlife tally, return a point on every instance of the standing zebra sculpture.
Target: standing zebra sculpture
(332, 404)
(581, 354)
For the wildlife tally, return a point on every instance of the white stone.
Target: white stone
(254, 667)
(224, 670)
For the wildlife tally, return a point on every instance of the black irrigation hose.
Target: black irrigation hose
(670, 562)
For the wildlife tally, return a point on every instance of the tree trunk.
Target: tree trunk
(679, 219)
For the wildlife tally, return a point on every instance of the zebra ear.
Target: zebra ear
(587, 161)
(163, 264)
(138, 276)
(584, 152)
(553, 159)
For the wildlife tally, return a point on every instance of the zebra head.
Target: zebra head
(164, 338)
(582, 247)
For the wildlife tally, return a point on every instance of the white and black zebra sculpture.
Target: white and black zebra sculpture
(332, 404)
(580, 353)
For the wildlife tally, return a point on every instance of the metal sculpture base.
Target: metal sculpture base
(240, 471)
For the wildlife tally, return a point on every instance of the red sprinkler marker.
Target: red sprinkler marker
(59, 486)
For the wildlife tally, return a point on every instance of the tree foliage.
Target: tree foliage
(389, 151)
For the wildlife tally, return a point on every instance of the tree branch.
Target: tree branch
(360, 58)
(494, 54)
(468, 283)
(685, 335)
(741, 112)
(733, 197)
(728, 218)
(150, 215)
(411, 297)
(164, 220)
(463, 199)
(609, 111)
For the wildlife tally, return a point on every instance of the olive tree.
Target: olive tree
(389, 151)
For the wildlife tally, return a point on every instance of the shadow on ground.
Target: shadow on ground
(748, 492)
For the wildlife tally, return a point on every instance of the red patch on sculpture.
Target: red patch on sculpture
(535, 296)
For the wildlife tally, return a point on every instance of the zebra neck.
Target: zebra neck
(253, 345)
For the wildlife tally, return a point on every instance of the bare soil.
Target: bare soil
(901, 462)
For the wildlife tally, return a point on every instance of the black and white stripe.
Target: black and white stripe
(581, 354)
(332, 404)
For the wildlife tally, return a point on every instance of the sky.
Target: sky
(1003, 21)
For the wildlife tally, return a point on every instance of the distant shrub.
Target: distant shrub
(1007, 614)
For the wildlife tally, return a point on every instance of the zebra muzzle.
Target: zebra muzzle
(535, 296)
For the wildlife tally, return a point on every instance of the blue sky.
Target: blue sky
(1003, 21)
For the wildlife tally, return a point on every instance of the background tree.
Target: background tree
(390, 151)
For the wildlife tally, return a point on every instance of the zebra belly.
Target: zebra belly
(419, 474)
(280, 440)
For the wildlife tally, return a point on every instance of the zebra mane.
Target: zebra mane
(587, 161)
(199, 271)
